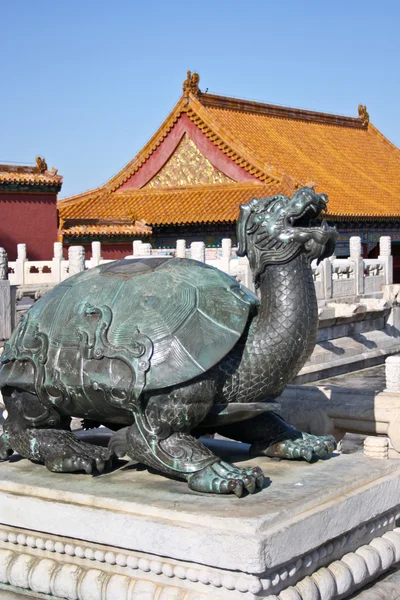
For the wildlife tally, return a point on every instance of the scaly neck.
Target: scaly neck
(283, 334)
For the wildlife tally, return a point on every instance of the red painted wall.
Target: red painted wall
(28, 218)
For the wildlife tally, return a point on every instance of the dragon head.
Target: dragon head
(275, 230)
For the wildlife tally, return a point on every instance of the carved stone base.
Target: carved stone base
(317, 531)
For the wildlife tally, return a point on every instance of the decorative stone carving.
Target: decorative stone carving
(145, 249)
(136, 247)
(198, 251)
(21, 251)
(392, 373)
(385, 245)
(376, 447)
(96, 253)
(373, 270)
(342, 272)
(30, 561)
(181, 248)
(76, 259)
(355, 247)
(3, 265)
(58, 250)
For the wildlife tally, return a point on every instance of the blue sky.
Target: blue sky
(86, 83)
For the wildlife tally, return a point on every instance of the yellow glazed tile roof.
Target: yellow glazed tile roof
(283, 148)
(196, 204)
(23, 176)
(353, 163)
(112, 229)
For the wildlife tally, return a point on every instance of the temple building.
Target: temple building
(28, 209)
(214, 152)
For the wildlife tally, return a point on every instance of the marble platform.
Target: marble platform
(315, 532)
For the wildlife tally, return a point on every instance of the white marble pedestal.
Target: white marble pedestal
(317, 532)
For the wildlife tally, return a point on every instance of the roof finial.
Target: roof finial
(41, 165)
(363, 114)
(191, 84)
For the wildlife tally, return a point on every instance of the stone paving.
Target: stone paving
(371, 380)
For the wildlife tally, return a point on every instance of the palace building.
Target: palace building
(28, 209)
(213, 153)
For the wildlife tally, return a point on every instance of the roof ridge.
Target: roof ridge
(239, 153)
(279, 111)
(147, 150)
(180, 188)
(383, 137)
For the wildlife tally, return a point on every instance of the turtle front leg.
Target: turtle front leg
(216, 476)
(172, 414)
(270, 435)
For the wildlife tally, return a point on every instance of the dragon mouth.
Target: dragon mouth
(307, 216)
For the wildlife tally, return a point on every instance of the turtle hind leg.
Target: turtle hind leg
(269, 435)
(30, 431)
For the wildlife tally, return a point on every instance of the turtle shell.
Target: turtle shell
(193, 313)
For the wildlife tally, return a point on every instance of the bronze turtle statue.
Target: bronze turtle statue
(163, 350)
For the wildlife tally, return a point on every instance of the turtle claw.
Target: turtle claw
(222, 478)
(306, 446)
(238, 489)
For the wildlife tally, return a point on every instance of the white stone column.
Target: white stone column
(5, 298)
(3, 265)
(76, 260)
(20, 264)
(56, 262)
(327, 277)
(356, 257)
(385, 255)
(226, 245)
(198, 251)
(180, 249)
(136, 247)
(96, 254)
(392, 373)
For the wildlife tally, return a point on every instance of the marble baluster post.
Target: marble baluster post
(198, 251)
(180, 249)
(76, 260)
(145, 250)
(226, 255)
(96, 254)
(136, 247)
(385, 255)
(356, 257)
(56, 262)
(5, 297)
(20, 264)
